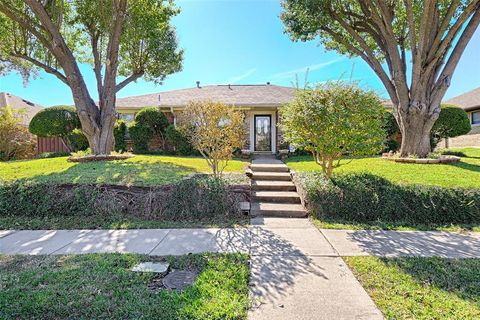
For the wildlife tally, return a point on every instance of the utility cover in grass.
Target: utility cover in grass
(179, 280)
(157, 267)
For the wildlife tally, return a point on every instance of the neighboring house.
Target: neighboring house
(260, 104)
(27, 110)
(470, 102)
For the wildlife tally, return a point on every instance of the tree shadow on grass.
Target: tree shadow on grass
(466, 166)
(457, 276)
(142, 173)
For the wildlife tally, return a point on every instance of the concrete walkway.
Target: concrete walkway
(297, 270)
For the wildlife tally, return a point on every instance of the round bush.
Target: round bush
(140, 135)
(179, 141)
(153, 118)
(77, 140)
(452, 122)
(56, 121)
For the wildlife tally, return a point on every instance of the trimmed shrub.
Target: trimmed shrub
(370, 198)
(119, 131)
(178, 141)
(77, 140)
(140, 135)
(153, 118)
(198, 198)
(452, 122)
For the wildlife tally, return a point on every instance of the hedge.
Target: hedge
(195, 198)
(369, 198)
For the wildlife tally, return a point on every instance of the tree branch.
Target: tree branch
(131, 78)
(43, 66)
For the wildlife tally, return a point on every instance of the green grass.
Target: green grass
(398, 226)
(421, 288)
(113, 221)
(101, 286)
(143, 170)
(465, 174)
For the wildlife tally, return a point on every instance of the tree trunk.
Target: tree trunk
(415, 129)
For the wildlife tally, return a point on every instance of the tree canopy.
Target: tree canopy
(412, 45)
(118, 38)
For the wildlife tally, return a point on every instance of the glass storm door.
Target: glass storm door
(263, 133)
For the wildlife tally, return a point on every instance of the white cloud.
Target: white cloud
(302, 70)
(238, 78)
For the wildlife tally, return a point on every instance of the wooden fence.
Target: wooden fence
(50, 145)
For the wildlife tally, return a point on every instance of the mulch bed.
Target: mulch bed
(100, 158)
(446, 159)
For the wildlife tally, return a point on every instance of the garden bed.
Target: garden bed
(91, 158)
(443, 159)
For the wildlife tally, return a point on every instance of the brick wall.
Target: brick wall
(472, 139)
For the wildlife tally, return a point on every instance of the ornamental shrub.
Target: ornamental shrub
(15, 140)
(140, 135)
(148, 122)
(333, 120)
(119, 131)
(58, 121)
(368, 198)
(178, 141)
(77, 140)
(452, 122)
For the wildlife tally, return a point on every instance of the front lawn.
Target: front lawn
(143, 170)
(101, 286)
(465, 174)
(421, 288)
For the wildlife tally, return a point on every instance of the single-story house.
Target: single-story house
(470, 102)
(259, 103)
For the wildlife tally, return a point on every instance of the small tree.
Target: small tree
(59, 121)
(215, 130)
(334, 120)
(452, 122)
(15, 140)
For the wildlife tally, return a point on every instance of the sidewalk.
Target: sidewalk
(296, 270)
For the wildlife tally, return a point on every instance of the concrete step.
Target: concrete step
(269, 167)
(265, 185)
(268, 209)
(276, 196)
(272, 176)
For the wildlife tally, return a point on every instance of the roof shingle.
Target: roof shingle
(238, 95)
(467, 101)
(17, 103)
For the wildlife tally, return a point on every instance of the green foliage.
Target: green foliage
(368, 198)
(119, 132)
(196, 199)
(15, 140)
(178, 141)
(56, 121)
(452, 122)
(148, 122)
(77, 140)
(453, 153)
(147, 22)
(140, 135)
(334, 120)
(66, 285)
(390, 126)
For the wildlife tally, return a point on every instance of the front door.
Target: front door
(263, 133)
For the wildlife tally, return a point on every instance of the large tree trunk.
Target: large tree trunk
(416, 122)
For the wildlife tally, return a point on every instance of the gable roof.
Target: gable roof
(238, 95)
(18, 103)
(467, 101)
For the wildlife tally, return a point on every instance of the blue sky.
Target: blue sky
(242, 42)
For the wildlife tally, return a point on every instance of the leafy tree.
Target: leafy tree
(334, 120)
(127, 38)
(15, 140)
(418, 40)
(215, 130)
(58, 121)
(452, 122)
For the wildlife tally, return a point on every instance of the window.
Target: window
(127, 117)
(476, 117)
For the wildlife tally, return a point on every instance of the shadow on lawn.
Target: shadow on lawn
(457, 276)
(466, 166)
(143, 173)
